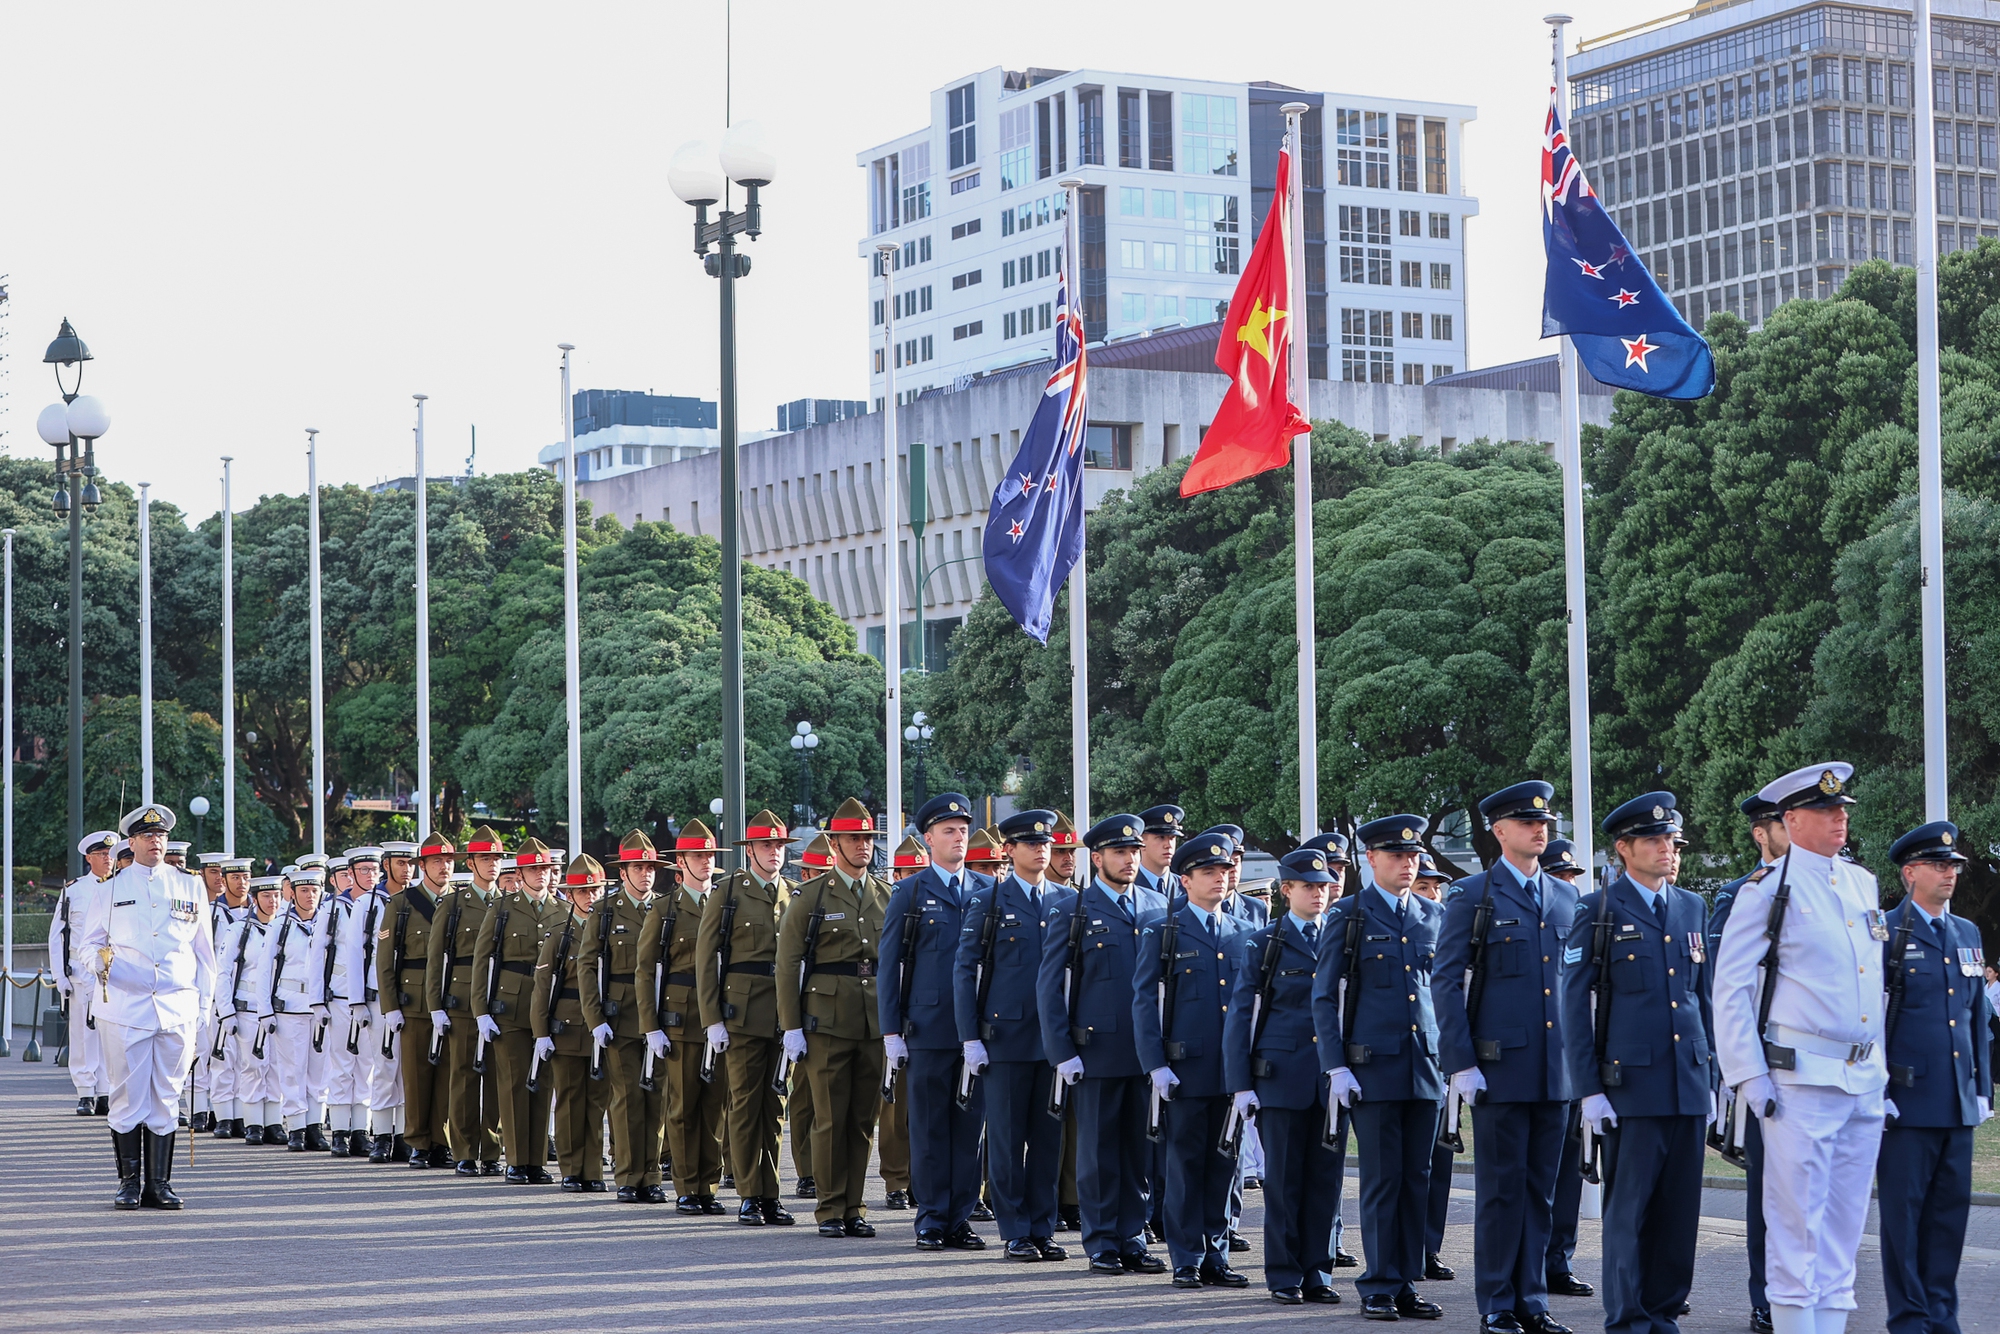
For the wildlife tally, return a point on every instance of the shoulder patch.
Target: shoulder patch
(1758, 875)
(1572, 955)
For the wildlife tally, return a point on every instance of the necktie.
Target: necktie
(1660, 908)
(1312, 934)
(1215, 925)
(951, 883)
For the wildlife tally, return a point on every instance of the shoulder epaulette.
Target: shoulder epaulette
(1757, 875)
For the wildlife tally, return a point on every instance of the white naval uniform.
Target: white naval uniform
(1820, 1150)
(216, 1076)
(257, 1095)
(161, 976)
(289, 1014)
(86, 1057)
(339, 1091)
(378, 1078)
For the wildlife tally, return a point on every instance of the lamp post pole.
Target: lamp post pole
(804, 742)
(318, 653)
(228, 669)
(572, 650)
(145, 643)
(892, 572)
(423, 802)
(7, 800)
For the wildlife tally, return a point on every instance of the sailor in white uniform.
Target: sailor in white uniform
(290, 1015)
(238, 990)
(380, 1071)
(72, 972)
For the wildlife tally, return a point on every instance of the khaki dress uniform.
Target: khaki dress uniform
(744, 1000)
(610, 945)
(473, 1098)
(667, 1005)
(557, 1015)
(399, 982)
(503, 961)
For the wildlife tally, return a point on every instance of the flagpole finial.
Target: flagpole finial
(1295, 108)
(1557, 20)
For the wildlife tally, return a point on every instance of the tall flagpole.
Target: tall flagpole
(572, 642)
(145, 644)
(423, 637)
(1582, 831)
(892, 571)
(1307, 619)
(228, 670)
(1930, 466)
(318, 647)
(7, 801)
(1079, 600)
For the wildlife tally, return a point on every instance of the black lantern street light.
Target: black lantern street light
(72, 427)
(918, 734)
(804, 742)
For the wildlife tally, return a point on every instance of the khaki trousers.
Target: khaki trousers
(524, 1116)
(426, 1088)
(580, 1107)
(637, 1117)
(475, 1098)
(755, 1110)
(694, 1119)
(846, 1078)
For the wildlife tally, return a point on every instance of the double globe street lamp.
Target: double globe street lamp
(804, 742)
(918, 734)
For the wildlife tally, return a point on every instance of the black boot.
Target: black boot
(383, 1149)
(316, 1138)
(131, 1165)
(339, 1144)
(159, 1193)
(275, 1134)
(104, 1106)
(399, 1150)
(296, 1141)
(220, 1127)
(253, 1134)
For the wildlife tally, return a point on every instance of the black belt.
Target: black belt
(755, 969)
(626, 978)
(408, 964)
(680, 979)
(568, 993)
(526, 969)
(457, 964)
(864, 968)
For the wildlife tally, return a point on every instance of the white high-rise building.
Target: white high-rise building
(1178, 175)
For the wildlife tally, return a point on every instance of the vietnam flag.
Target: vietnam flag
(1254, 427)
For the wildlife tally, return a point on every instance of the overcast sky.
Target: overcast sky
(268, 217)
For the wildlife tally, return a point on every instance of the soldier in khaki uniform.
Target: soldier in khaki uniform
(669, 1016)
(814, 862)
(609, 968)
(474, 1122)
(400, 967)
(503, 968)
(892, 1135)
(827, 952)
(562, 1040)
(735, 969)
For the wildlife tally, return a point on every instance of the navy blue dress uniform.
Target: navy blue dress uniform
(1942, 1087)
(1194, 1175)
(1334, 846)
(1437, 1205)
(1511, 1048)
(1657, 1072)
(1089, 1030)
(1391, 1053)
(1559, 860)
(920, 937)
(1267, 1050)
(1251, 912)
(1163, 821)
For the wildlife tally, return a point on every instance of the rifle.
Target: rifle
(235, 979)
(558, 968)
(722, 952)
(1451, 1127)
(605, 1005)
(982, 987)
(782, 1081)
(1350, 998)
(1776, 1057)
(646, 1079)
(1231, 1144)
(1600, 1022)
(1170, 941)
(67, 971)
(494, 1005)
(906, 968)
(397, 950)
(444, 984)
(1071, 970)
(1900, 1075)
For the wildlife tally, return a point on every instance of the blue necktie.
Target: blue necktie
(1312, 935)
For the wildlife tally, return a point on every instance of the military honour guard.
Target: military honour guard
(86, 1064)
(565, 1053)
(504, 954)
(670, 1015)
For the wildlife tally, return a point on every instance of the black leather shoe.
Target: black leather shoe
(87, 1106)
(440, 1155)
(776, 1214)
(1238, 1243)
(574, 1185)
(1760, 1319)
(465, 1167)
(750, 1213)
(130, 1150)
(963, 1238)
(1436, 1270)
(296, 1141)
(898, 1199)
(1142, 1261)
(982, 1212)
(1569, 1285)
(1068, 1218)
(1021, 1248)
(181, 1121)
(103, 1107)
(594, 1185)
(1325, 1296)
(1187, 1276)
(316, 1138)
(653, 1194)
(517, 1176)
(253, 1134)
(1413, 1307)
(339, 1147)
(159, 1191)
(1107, 1262)
(420, 1158)
(1049, 1250)
(398, 1149)
(729, 1181)
(808, 1189)
(1253, 1183)
(1153, 1235)
(538, 1176)
(1500, 1322)
(1342, 1260)
(709, 1205)
(1380, 1306)
(931, 1239)
(857, 1226)
(489, 1168)
(1286, 1296)
(630, 1195)
(833, 1227)
(222, 1128)
(1222, 1276)
(276, 1135)
(1541, 1322)
(687, 1204)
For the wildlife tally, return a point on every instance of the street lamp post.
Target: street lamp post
(198, 808)
(697, 175)
(918, 734)
(804, 742)
(73, 427)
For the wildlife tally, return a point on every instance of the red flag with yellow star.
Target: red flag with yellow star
(1253, 429)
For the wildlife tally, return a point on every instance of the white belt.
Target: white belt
(286, 984)
(1800, 1040)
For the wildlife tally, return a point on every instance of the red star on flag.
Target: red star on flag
(1636, 352)
(1589, 270)
(1027, 485)
(1626, 298)
(1015, 531)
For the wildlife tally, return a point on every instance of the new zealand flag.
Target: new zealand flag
(1599, 293)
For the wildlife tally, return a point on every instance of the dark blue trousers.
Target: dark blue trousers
(1569, 1198)
(1514, 1175)
(1302, 1182)
(1197, 1180)
(944, 1141)
(1753, 1207)
(1023, 1148)
(1437, 1206)
(1924, 1180)
(1394, 1140)
(1112, 1155)
(1652, 1211)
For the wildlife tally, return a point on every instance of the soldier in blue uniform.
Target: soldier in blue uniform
(1435, 885)
(1940, 1085)
(1500, 1033)
(1084, 997)
(1333, 846)
(1639, 1056)
(1767, 831)
(1558, 860)
(1162, 828)
(1179, 1005)
(920, 935)
(1377, 1044)
(1265, 1046)
(1251, 912)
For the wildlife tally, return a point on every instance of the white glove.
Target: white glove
(603, 1034)
(975, 1055)
(1597, 1110)
(394, 1019)
(1343, 1087)
(1071, 1071)
(544, 1048)
(62, 983)
(489, 1028)
(1761, 1092)
(795, 1043)
(441, 1020)
(897, 1050)
(656, 1042)
(1165, 1081)
(1712, 1113)
(718, 1037)
(1985, 1110)
(321, 1008)
(1468, 1084)
(271, 1024)
(1246, 1103)
(1889, 1109)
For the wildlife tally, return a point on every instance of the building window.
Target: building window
(1163, 205)
(878, 312)
(1107, 446)
(1017, 146)
(1131, 254)
(1406, 153)
(1007, 273)
(878, 361)
(964, 229)
(1211, 226)
(1440, 226)
(1007, 325)
(1165, 254)
(1169, 308)
(1441, 277)
(963, 183)
(964, 280)
(927, 347)
(1412, 273)
(964, 133)
(1090, 127)
(1362, 332)
(1437, 173)
(1160, 131)
(916, 174)
(1131, 202)
(972, 330)
(1413, 324)
(1441, 328)
(924, 297)
(1361, 142)
(1409, 222)
(1364, 253)
(1047, 313)
(1131, 133)
(1132, 307)
(1413, 372)
(1208, 134)
(1439, 372)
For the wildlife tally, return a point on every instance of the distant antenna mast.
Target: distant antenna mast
(475, 452)
(3, 354)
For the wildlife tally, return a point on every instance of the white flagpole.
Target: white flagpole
(7, 843)
(1930, 466)
(1302, 497)
(423, 637)
(318, 648)
(1582, 832)
(1079, 598)
(228, 670)
(892, 570)
(145, 644)
(572, 641)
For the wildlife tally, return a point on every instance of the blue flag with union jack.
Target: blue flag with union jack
(1034, 531)
(1599, 293)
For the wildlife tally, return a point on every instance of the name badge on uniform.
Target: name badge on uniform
(834, 917)
(1697, 946)
(930, 903)
(123, 903)
(1970, 963)
(1878, 925)
(1628, 931)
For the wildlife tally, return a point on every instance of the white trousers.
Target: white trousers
(343, 1067)
(222, 1070)
(382, 1075)
(256, 1077)
(1819, 1165)
(301, 1071)
(146, 1069)
(86, 1044)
